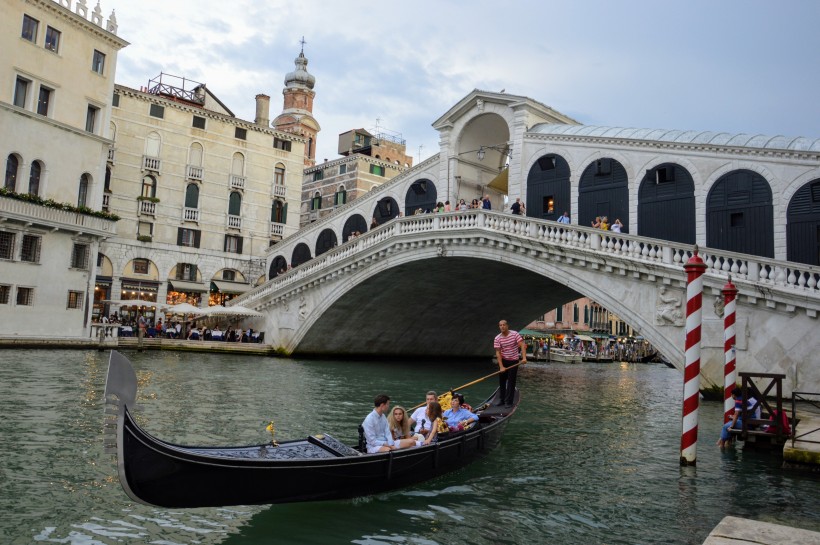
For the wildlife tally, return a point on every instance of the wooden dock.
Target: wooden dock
(739, 531)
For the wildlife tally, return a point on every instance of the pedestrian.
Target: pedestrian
(374, 223)
(507, 344)
(516, 207)
(486, 204)
(564, 218)
(617, 226)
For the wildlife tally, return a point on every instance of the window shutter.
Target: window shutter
(239, 245)
(285, 213)
(196, 238)
(179, 236)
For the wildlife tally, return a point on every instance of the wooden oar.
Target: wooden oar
(470, 383)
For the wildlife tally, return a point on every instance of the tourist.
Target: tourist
(507, 344)
(419, 421)
(447, 206)
(515, 208)
(597, 223)
(458, 415)
(485, 203)
(736, 421)
(564, 218)
(617, 226)
(400, 428)
(374, 223)
(433, 415)
(376, 428)
(605, 223)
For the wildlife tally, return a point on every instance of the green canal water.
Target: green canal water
(591, 456)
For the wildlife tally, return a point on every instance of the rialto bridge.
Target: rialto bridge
(436, 284)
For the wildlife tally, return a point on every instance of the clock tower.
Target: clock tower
(297, 114)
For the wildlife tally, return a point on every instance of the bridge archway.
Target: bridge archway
(301, 254)
(740, 214)
(277, 266)
(803, 225)
(325, 241)
(549, 191)
(354, 224)
(421, 194)
(386, 209)
(666, 204)
(604, 191)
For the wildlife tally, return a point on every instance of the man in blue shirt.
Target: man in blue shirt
(564, 218)
(458, 414)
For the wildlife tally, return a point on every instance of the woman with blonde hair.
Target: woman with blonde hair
(400, 428)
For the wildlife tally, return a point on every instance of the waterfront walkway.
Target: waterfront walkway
(739, 531)
(132, 343)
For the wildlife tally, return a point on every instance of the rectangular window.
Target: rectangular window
(233, 244)
(75, 300)
(279, 176)
(318, 175)
(664, 175)
(115, 100)
(21, 92)
(145, 228)
(30, 25)
(188, 237)
(5, 291)
(228, 275)
(157, 111)
(549, 205)
(43, 100)
(559, 314)
(140, 266)
(52, 39)
(378, 170)
(6, 245)
(30, 252)
(98, 62)
(342, 168)
(91, 118)
(25, 296)
(79, 256)
(283, 145)
(198, 122)
(241, 133)
(603, 167)
(100, 259)
(186, 271)
(340, 198)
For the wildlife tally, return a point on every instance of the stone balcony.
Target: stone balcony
(234, 222)
(279, 191)
(147, 208)
(190, 214)
(277, 229)
(36, 214)
(111, 155)
(193, 172)
(237, 182)
(152, 164)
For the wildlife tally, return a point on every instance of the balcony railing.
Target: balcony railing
(190, 214)
(277, 229)
(279, 191)
(237, 182)
(147, 208)
(151, 163)
(106, 201)
(194, 172)
(111, 155)
(234, 222)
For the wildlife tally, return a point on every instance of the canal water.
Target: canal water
(591, 456)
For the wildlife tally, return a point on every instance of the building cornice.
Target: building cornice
(77, 20)
(54, 123)
(356, 157)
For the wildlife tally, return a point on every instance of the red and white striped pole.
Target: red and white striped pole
(729, 368)
(691, 372)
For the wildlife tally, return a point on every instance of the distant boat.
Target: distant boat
(559, 355)
(319, 467)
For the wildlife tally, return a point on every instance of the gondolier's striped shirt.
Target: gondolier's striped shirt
(508, 345)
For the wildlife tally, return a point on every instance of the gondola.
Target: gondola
(319, 467)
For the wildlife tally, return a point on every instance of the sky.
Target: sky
(738, 66)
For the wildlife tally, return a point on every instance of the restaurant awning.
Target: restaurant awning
(183, 286)
(584, 338)
(500, 182)
(229, 287)
(534, 333)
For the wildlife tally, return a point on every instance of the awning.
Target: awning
(183, 286)
(534, 333)
(229, 287)
(584, 338)
(500, 182)
(597, 335)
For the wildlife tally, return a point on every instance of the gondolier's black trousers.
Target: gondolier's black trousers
(506, 383)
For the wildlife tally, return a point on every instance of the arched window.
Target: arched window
(195, 155)
(82, 193)
(152, 145)
(34, 178)
(149, 186)
(279, 212)
(192, 196)
(238, 164)
(12, 164)
(279, 174)
(340, 197)
(234, 204)
(575, 313)
(316, 203)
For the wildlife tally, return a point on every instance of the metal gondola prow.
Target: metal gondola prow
(120, 392)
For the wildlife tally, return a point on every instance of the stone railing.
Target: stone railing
(190, 214)
(794, 278)
(147, 208)
(279, 191)
(277, 229)
(64, 220)
(193, 172)
(151, 163)
(106, 201)
(111, 154)
(237, 182)
(234, 222)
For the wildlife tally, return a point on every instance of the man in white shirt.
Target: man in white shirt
(418, 420)
(376, 429)
(564, 218)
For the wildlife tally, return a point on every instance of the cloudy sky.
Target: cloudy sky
(726, 65)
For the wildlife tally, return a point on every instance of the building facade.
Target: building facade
(56, 88)
(201, 193)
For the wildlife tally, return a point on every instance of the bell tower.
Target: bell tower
(297, 113)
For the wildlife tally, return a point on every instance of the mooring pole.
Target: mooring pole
(729, 366)
(691, 372)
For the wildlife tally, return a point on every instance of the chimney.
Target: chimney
(262, 110)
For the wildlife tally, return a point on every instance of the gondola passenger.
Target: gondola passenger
(400, 428)
(437, 424)
(419, 421)
(458, 415)
(376, 428)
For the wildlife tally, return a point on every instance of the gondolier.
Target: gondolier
(507, 344)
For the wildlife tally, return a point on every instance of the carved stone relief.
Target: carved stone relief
(669, 307)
